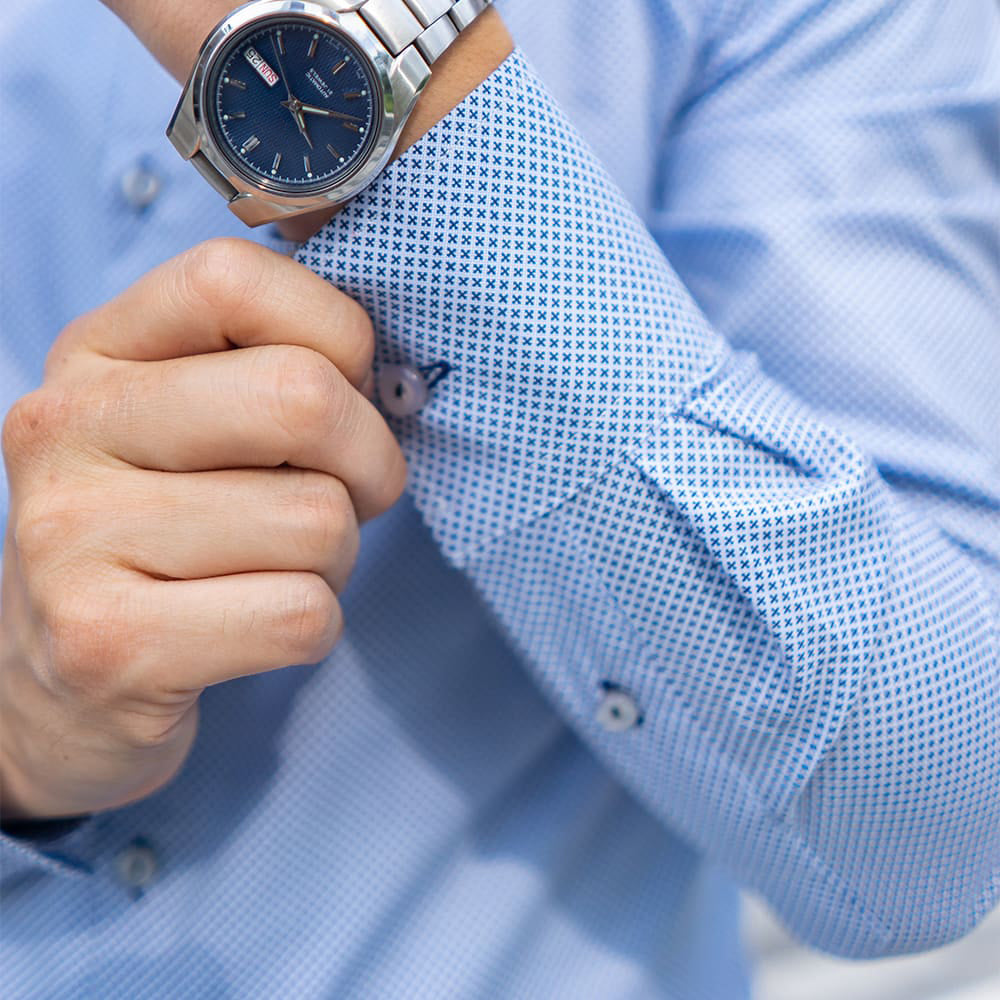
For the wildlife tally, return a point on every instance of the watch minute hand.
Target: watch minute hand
(312, 110)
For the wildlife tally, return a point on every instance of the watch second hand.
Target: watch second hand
(293, 104)
(284, 75)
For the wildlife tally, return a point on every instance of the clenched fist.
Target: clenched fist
(181, 513)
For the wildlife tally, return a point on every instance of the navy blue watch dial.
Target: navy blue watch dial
(293, 105)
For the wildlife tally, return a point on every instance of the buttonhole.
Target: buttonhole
(435, 372)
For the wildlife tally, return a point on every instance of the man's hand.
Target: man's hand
(181, 513)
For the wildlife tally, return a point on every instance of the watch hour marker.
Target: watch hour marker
(276, 164)
(312, 46)
(336, 69)
(250, 145)
(308, 166)
(334, 153)
(281, 43)
(352, 126)
(234, 83)
(354, 96)
(234, 116)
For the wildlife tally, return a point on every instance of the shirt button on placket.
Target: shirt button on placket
(137, 865)
(140, 187)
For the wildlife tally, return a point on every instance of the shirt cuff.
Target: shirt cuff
(56, 847)
(499, 245)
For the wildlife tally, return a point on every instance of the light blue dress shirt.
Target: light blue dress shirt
(697, 581)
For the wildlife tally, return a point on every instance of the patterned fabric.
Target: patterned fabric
(770, 518)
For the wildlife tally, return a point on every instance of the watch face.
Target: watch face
(293, 105)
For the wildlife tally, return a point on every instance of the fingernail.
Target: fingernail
(368, 386)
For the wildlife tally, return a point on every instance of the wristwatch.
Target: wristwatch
(297, 105)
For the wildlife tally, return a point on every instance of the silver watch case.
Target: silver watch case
(401, 78)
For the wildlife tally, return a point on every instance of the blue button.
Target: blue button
(137, 865)
(140, 187)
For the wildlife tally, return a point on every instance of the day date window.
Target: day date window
(259, 63)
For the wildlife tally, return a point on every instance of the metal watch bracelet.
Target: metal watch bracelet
(430, 25)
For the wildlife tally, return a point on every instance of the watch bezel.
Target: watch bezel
(399, 81)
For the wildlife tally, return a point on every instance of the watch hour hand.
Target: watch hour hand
(294, 106)
(301, 122)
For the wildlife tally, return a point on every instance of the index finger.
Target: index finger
(222, 294)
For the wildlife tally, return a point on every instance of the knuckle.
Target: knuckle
(323, 507)
(66, 344)
(396, 477)
(307, 395)
(310, 620)
(21, 426)
(222, 274)
(154, 728)
(88, 643)
(36, 420)
(43, 525)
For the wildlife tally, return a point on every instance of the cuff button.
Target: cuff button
(402, 389)
(617, 711)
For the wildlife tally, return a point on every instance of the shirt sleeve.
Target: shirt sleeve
(645, 509)
(47, 846)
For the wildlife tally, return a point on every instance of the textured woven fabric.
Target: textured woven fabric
(770, 517)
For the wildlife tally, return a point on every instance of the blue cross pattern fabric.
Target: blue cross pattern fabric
(719, 434)
(641, 506)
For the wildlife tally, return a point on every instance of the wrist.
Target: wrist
(478, 51)
(174, 33)
(466, 64)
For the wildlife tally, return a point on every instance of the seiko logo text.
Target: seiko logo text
(259, 63)
(319, 83)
